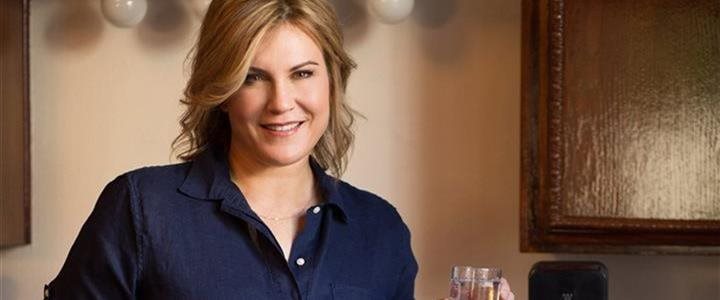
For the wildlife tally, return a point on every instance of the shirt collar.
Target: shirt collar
(209, 179)
(329, 187)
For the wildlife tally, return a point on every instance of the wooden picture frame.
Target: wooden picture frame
(14, 124)
(620, 126)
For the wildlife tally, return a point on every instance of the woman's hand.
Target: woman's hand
(505, 292)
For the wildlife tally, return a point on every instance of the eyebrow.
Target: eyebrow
(293, 69)
(309, 62)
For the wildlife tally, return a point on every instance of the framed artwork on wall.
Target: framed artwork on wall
(620, 126)
(14, 124)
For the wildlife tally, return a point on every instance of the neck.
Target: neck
(272, 190)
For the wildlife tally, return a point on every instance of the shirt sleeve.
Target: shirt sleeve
(406, 283)
(104, 260)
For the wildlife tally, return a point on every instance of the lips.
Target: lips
(282, 127)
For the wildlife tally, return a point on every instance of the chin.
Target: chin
(284, 158)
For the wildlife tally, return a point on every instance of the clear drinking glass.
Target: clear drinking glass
(462, 282)
(471, 283)
(487, 283)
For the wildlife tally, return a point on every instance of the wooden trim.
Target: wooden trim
(543, 224)
(15, 99)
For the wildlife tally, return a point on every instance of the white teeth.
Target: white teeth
(286, 127)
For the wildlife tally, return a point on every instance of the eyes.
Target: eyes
(303, 74)
(254, 76)
(250, 78)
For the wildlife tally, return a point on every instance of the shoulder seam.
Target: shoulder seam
(136, 210)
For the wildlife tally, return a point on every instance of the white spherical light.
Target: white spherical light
(391, 11)
(200, 7)
(124, 13)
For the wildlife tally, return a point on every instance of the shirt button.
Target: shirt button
(316, 210)
(300, 261)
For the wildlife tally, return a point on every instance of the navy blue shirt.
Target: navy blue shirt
(185, 231)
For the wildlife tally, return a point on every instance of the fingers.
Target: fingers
(505, 292)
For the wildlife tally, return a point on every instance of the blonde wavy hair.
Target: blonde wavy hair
(229, 37)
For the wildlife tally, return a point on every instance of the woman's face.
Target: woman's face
(283, 107)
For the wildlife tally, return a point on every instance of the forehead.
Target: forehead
(286, 44)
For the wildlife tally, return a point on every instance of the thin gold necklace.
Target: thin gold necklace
(274, 219)
(277, 219)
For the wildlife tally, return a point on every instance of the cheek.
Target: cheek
(320, 100)
(244, 107)
(321, 111)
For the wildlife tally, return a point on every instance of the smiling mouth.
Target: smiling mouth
(285, 127)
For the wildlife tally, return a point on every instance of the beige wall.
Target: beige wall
(441, 138)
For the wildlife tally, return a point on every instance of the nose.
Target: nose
(282, 98)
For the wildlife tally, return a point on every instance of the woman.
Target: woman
(251, 214)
